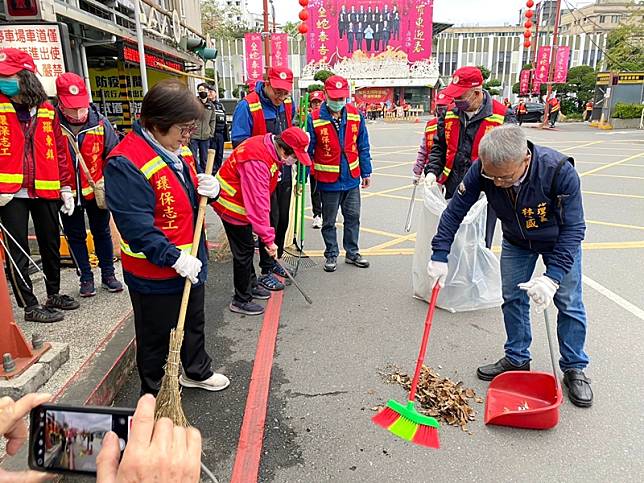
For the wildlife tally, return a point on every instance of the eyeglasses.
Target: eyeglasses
(280, 93)
(506, 179)
(186, 130)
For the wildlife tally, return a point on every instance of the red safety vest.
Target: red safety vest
(257, 113)
(589, 106)
(328, 152)
(522, 108)
(554, 105)
(45, 155)
(231, 198)
(173, 213)
(92, 149)
(430, 131)
(452, 131)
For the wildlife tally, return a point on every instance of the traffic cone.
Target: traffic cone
(17, 354)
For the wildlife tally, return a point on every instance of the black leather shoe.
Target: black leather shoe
(579, 390)
(490, 371)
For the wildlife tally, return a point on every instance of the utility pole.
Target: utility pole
(141, 46)
(553, 58)
(266, 34)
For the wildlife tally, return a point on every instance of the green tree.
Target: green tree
(291, 28)
(322, 75)
(315, 87)
(492, 87)
(625, 47)
(579, 89)
(485, 72)
(214, 21)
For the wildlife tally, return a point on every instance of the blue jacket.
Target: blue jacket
(533, 221)
(131, 201)
(275, 117)
(345, 182)
(93, 118)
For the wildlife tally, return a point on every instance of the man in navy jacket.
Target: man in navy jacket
(535, 192)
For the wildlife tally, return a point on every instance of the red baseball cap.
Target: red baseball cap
(463, 80)
(71, 91)
(316, 96)
(298, 141)
(281, 78)
(13, 61)
(337, 87)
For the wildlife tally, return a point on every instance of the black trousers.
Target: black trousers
(280, 204)
(217, 143)
(154, 317)
(242, 246)
(15, 218)
(316, 198)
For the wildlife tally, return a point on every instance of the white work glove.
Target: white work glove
(541, 290)
(208, 185)
(415, 179)
(68, 201)
(437, 272)
(430, 180)
(188, 266)
(5, 198)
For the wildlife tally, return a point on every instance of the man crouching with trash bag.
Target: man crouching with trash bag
(535, 191)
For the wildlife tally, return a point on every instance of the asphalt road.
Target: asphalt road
(325, 374)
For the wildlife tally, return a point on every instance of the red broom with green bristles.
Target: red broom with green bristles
(402, 419)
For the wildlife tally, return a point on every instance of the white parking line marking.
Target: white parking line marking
(609, 294)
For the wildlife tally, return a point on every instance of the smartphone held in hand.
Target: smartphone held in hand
(67, 439)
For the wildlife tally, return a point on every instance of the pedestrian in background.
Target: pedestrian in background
(153, 190)
(340, 151)
(422, 159)
(204, 129)
(270, 110)
(522, 110)
(93, 136)
(315, 101)
(554, 106)
(34, 179)
(536, 193)
(588, 113)
(221, 127)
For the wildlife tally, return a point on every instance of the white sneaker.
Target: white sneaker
(216, 382)
(317, 222)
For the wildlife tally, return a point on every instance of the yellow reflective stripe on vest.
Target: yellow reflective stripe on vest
(320, 122)
(451, 115)
(7, 107)
(11, 178)
(273, 168)
(87, 191)
(152, 166)
(185, 151)
(446, 171)
(46, 113)
(47, 185)
(353, 117)
(229, 205)
(431, 128)
(496, 118)
(327, 168)
(225, 186)
(125, 248)
(354, 165)
(97, 130)
(255, 106)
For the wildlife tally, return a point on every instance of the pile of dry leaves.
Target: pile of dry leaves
(439, 397)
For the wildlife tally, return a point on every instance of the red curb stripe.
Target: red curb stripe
(251, 436)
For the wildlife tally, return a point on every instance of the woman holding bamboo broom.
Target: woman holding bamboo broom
(152, 190)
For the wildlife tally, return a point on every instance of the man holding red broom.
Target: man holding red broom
(535, 191)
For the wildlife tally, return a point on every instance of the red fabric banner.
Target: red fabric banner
(279, 50)
(340, 28)
(561, 64)
(374, 95)
(524, 82)
(543, 64)
(254, 56)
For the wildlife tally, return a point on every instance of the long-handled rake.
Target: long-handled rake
(168, 404)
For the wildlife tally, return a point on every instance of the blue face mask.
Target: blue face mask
(9, 87)
(336, 106)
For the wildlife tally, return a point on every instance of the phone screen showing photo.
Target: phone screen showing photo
(71, 440)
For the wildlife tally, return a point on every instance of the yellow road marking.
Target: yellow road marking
(390, 190)
(390, 175)
(367, 230)
(616, 195)
(610, 165)
(391, 243)
(615, 225)
(396, 165)
(606, 176)
(580, 146)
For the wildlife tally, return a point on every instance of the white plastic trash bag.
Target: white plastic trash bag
(474, 278)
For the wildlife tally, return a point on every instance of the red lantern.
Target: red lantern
(527, 44)
(529, 4)
(527, 34)
(304, 3)
(302, 28)
(529, 14)
(304, 15)
(528, 24)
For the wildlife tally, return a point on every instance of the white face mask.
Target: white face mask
(290, 160)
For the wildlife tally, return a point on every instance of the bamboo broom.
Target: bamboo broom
(168, 403)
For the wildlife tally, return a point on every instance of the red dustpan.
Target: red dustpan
(524, 399)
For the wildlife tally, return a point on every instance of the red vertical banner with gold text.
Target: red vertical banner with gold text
(524, 82)
(561, 64)
(279, 50)
(543, 64)
(254, 56)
